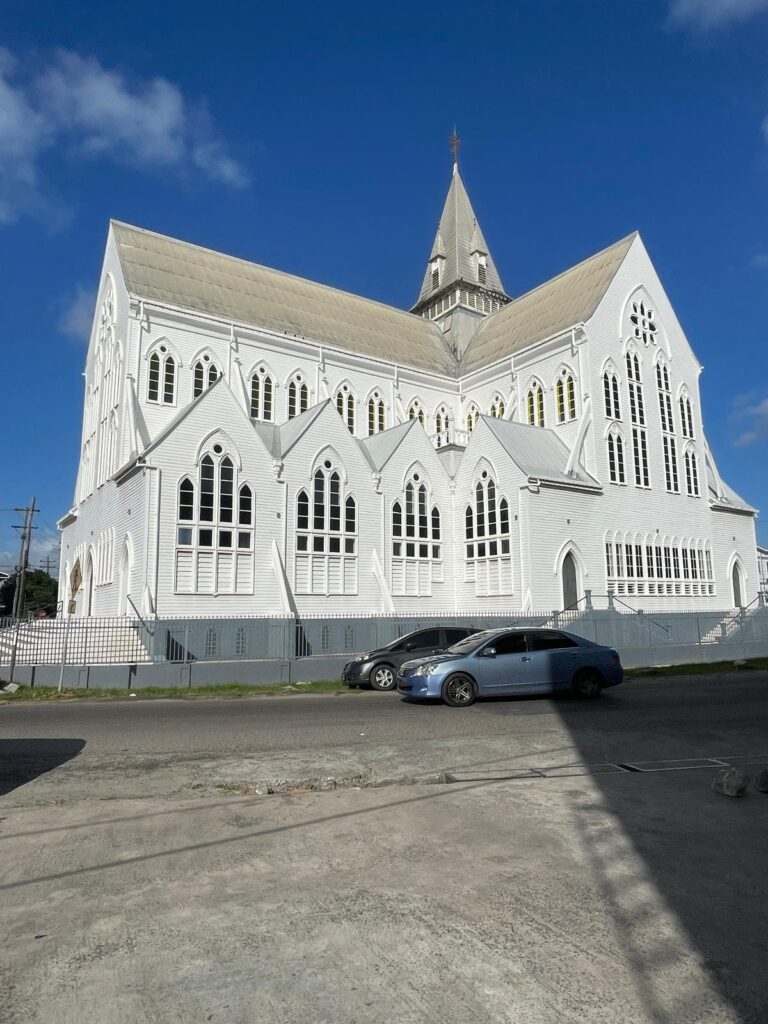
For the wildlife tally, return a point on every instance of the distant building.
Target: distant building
(256, 443)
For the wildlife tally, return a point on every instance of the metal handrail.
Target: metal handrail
(139, 616)
(739, 616)
(637, 611)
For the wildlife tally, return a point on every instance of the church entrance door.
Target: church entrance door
(570, 582)
(736, 579)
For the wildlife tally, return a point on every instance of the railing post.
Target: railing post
(588, 600)
(610, 601)
(13, 650)
(556, 618)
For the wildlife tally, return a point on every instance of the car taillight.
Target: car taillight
(615, 655)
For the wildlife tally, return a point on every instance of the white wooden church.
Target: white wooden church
(255, 443)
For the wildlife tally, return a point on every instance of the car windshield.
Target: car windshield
(470, 643)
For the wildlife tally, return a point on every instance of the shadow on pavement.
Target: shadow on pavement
(21, 761)
(701, 882)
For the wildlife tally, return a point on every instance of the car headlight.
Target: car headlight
(427, 670)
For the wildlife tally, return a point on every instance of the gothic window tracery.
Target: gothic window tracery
(215, 524)
(262, 395)
(565, 397)
(416, 412)
(487, 546)
(161, 377)
(346, 406)
(298, 396)
(534, 404)
(416, 540)
(611, 395)
(326, 535)
(642, 318)
(497, 409)
(376, 414)
(204, 373)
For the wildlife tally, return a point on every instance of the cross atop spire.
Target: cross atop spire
(455, 144)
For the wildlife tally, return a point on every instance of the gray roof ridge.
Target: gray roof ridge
(281, 273)
(550, 280)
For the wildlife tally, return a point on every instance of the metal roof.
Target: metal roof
(570, 298)
(538, 452)
(458, 237)
(165, 270)
(380, 447)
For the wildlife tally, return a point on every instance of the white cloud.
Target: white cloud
(754, 417)
(77, 316)
(759, 261)
(709, 15)
(91, 112)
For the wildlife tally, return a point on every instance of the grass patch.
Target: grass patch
(700, 668)
(50, 693)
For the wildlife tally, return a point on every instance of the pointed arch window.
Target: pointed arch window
(442, 427)
(298, 397)
(205, 372)
(611, 396)
(472, 416)
(214, 537)
(535, 405)
(416, 412)
(417, 550)
(326, 535)
(691, 472)
(615, 445)
(376, 414)
(161, 377)
(487, 543)
(497, 408)
(637, 417)
(345, 406)
(565, 397)
(262, 395)
(686, 416)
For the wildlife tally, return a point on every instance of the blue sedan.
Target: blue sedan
(501, 662)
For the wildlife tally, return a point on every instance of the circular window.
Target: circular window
(327, 463)
(415, 476)
(218, 449)
(206, 359)
(643, 322)
(261, 369)
(485, 474)
(163, 348)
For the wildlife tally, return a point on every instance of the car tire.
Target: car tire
(383, 677)
(460, 691)
(587, 683)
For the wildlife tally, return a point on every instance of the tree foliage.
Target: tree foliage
(40, 591)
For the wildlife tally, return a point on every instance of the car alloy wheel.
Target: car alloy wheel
(383, 678)
(459, 692)
(588, 684)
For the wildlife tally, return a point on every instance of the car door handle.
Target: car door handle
(525, 659)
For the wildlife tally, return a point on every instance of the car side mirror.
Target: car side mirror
(489, 652)
(410, 647)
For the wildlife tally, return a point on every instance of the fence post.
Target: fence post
(698, 637)
(67, 625)
(556, 618)
(13, 649)
(588, 600)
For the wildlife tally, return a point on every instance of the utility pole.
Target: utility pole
(21, 569)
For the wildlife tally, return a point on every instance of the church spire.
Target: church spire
(460, 270)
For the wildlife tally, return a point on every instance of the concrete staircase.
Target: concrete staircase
(90, 642)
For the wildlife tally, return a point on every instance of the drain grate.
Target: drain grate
(605, 768)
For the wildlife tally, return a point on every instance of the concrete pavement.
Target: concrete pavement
(595, 898)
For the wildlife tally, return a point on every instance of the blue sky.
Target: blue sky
(314, 138)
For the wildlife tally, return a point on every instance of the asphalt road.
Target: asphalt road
(675, 717)
(146, 881)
